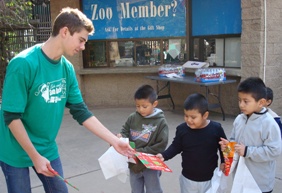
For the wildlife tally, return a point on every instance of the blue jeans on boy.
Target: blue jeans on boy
(18, 179)
(147, 179)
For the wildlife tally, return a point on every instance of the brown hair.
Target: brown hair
(74, 19)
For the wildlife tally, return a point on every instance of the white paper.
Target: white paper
(113, 164)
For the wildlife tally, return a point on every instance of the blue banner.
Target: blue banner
(216, 17)
(115, 19)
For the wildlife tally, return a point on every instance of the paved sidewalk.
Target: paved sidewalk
(80, 151)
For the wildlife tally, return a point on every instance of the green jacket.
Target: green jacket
(150, 134)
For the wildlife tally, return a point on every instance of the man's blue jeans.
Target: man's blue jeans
(18, 179)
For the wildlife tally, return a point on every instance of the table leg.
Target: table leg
(168, 95)
(215, 105)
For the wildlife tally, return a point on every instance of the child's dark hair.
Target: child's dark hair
(196, 101)
(269, 95)
(146, 92)
(254, 86)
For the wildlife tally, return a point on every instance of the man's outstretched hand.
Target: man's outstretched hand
(124, 148)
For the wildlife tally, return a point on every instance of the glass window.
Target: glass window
(95, 55)
(147, 52)
(222, 52)
(135, 53)
(121, 53)
(232, 52)
(196, 53)
(218, 55)
(174, 51)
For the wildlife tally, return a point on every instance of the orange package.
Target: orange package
(228, 155)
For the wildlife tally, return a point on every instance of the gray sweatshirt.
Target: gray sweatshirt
(262, 138)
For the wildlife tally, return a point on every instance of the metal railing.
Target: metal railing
(13, 41)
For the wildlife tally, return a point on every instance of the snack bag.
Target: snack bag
(228, 155)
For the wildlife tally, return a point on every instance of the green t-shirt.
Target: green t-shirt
(39, 88)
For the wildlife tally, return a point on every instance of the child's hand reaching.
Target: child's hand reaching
(223, 143)
(240, 149)
(160, 156)
(222, 167)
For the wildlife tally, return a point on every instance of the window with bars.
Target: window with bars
(15, 40)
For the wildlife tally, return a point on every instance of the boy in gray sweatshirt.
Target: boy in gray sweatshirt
(257, 134)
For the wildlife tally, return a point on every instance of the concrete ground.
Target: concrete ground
(80, 151)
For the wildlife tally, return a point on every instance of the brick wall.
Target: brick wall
(253, 44)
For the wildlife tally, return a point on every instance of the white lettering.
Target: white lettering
(126, 29)
(167, 8)
(101, 13)
(124, 10)
(108, 29)
(153, 9)
(94, 9)
(160, 27)
(150, 27)
(144, 11)
(134, 12)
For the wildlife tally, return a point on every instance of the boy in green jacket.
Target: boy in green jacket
(148, 129)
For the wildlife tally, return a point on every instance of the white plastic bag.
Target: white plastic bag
(243, 180)
(113, 164)
(234, 163)
(218, 182)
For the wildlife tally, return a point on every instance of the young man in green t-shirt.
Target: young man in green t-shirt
(40, 82)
